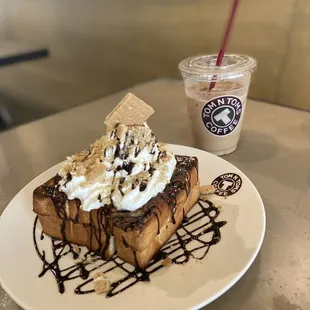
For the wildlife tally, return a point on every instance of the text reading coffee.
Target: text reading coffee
(221, 115)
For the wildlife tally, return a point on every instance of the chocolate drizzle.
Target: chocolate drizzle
(117, 150)
(128, 167)
(143, 185)
(59, 200)
(102, 225)
(60, 249)
(180, 181)
(180, 249)
(120, 190)
(97, 222)
(137, 151)
(69, 178)
(151, 171)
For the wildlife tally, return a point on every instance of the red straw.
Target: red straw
(226, 38)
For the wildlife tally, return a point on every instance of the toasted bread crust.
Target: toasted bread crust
(62, 218)
(138, 235)
(140, 238)
(142, 258)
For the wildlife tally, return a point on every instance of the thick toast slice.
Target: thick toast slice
(138, 235)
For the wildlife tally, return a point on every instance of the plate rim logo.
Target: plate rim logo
(233, 188)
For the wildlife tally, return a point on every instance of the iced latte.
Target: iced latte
(216, 113)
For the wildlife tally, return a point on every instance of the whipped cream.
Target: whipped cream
(126, 168)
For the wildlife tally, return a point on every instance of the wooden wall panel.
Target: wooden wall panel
(101, 46)
(294, 86)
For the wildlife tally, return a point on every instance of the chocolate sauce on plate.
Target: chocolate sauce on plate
(179, 249)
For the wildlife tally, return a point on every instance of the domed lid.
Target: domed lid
(204, 67)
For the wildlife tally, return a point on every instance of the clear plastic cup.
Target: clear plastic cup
(216, 115)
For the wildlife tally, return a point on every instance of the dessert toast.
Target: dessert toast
(136, 235)
(127, 193)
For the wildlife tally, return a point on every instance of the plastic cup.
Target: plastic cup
(216, 115)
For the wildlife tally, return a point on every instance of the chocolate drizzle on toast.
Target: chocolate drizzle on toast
(179, 249)
(97, 221)
(179, 181)
(100, 219)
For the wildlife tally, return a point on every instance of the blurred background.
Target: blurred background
(98, 47)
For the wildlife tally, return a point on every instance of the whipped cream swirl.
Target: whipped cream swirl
(126, 168)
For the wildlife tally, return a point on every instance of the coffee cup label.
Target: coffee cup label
(221, 115)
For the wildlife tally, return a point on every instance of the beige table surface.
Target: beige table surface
(274, 152)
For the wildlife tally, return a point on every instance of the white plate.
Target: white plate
(188, 286)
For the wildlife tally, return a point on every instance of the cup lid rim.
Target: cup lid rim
(203, 66)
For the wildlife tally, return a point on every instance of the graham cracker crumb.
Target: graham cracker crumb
(87, 163)
(89, 259)
(206, 190)
(101, 283)
(167, 262)
(76, 248)
(79, 260)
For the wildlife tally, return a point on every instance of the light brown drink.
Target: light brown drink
(216, 115)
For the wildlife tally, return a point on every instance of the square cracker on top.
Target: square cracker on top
(130, 111)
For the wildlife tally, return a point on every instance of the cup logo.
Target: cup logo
(221, 115)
